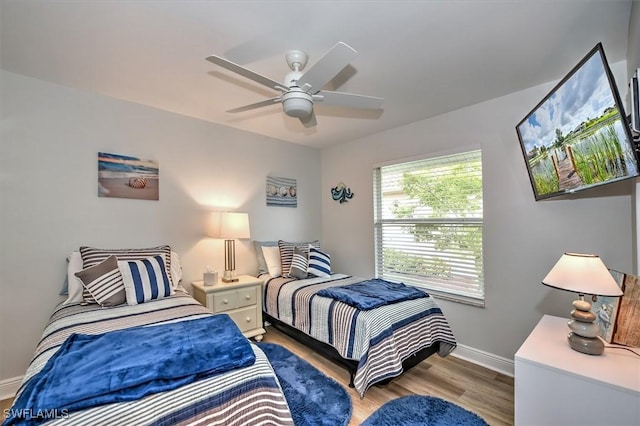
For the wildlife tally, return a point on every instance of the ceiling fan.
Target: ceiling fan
(301, 89)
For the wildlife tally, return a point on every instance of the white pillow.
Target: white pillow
(176, 269)
(272, 258)
(74, 283)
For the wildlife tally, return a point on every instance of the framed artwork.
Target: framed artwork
(282, 192)
(619, 317)
(123, 176)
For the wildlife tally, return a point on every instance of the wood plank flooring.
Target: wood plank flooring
(485, 392)
(478, 389)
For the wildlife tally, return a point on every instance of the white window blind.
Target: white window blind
(428, 225)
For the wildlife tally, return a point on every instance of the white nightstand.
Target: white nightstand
(555, 385)
(241, 300)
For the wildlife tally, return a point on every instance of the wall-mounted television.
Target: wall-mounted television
(578, 137)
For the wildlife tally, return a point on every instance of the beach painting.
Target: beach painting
(123, 176)
(282, 192)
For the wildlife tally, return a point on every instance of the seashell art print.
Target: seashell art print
(281, 192)
(123, 176)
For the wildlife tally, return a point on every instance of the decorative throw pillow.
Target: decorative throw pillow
(299, 264)
(286, 253)
(145, 279)
(104, 282)
(92, 256)
(272, 260)
(319, 262)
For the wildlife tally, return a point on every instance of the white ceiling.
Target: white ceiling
(424, 57)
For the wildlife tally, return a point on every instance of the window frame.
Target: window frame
(423, 281)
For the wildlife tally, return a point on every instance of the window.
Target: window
(428, 225)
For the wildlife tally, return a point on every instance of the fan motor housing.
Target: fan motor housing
(297, 103)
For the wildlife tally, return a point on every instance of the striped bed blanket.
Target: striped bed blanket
(241, 396)
(378, 339)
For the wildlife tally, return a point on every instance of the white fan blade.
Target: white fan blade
(348, 100)
(245, 72)
(327, 67)
(309, 120)
(260, 104)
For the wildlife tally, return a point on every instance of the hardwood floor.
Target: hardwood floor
(478, 389)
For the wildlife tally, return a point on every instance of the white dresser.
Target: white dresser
(555, 385)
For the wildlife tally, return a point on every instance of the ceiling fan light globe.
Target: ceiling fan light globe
(297, 104)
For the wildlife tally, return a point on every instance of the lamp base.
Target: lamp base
(586, 345)
(584, 331)
(229, 276)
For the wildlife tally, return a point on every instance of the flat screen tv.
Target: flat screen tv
(577, 137)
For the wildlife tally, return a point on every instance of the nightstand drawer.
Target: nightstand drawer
(224, 300)
(246, 296)
(246, 318)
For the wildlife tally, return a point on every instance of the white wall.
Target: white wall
(633, 63)
(633, 44)
(522, 238)
(50, 137)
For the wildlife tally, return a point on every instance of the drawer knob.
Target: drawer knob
(225, 301)
(248, 319)
(247, 297)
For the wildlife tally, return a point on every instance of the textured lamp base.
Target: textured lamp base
(584, 332)
(586, 345)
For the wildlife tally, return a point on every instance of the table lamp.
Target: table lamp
(232, 226)
(583, 274)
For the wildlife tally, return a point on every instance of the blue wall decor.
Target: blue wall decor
(341, 193)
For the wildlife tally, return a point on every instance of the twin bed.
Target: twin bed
(374, 344)
(235, 397)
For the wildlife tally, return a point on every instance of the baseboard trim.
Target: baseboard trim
(485, 359)
(9, 387)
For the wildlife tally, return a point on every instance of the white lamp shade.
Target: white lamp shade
(583, 274)
(229, 225)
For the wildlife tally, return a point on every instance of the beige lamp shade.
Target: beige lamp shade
(229, 225)
(583, 274)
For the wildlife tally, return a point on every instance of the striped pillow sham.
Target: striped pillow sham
(319, 262)
(145, 279)
(286, 253)
(299, 264)
(92, 256)
(104, 282)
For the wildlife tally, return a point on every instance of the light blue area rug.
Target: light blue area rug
(417, 410)
(314, 399)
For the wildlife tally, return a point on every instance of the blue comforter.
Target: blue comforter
(125, 365)
(373, 293)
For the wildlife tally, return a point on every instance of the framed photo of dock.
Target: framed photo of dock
(124, 176)
(577, 137)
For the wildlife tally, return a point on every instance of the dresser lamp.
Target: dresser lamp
(583, 274)
(230, 226)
